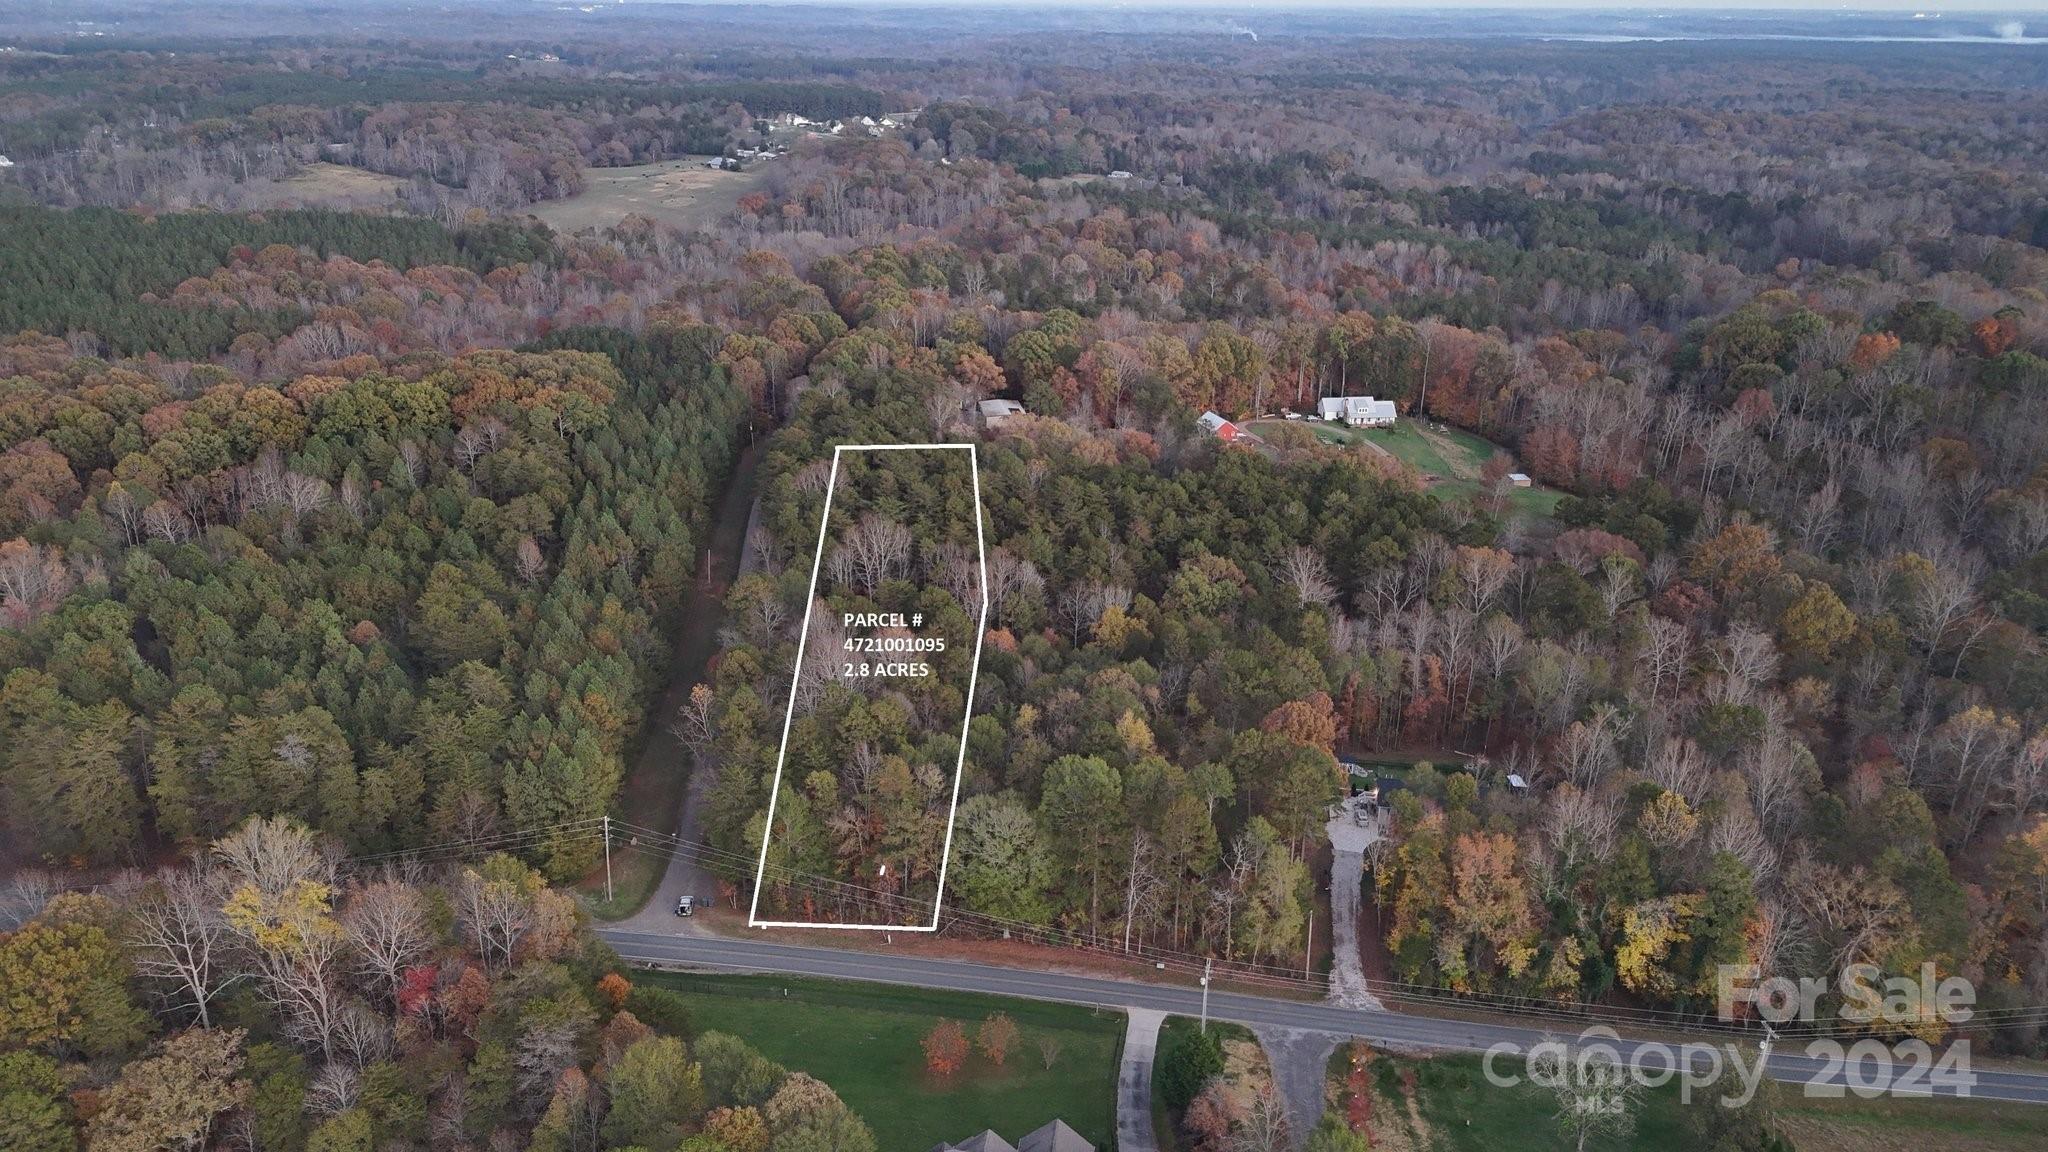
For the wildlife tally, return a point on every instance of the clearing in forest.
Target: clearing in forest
(859, 825)
(1448, 460)
(682, 193)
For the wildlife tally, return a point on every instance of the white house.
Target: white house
(1358, 411)
(1520, 480)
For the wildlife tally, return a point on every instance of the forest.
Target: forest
(341, 551)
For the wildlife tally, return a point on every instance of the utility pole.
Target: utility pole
(607, 857)
(1309, 950)
(1207, 964)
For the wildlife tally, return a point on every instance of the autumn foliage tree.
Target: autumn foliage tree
(996, 1036)
(945, 1049)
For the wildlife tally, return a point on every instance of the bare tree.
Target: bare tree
(495, 914)
(334, 1090)
(28, 891)
(362, 1035)
(388, 932)
(1303, 568)
(1143, 885)
(1597, 1097)
(1010, 577)
(692, 726)
(178, 936)
(1666, 656)
(1263, 1127)
(1940, 598)
(874, 551)
(528, 562)
(167, 522)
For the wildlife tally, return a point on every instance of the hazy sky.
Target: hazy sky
(1973, 8)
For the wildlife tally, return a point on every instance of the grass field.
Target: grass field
(865, 1041)
(322, 185)
(683, 193)
(1449, 461)
(1453, 1109)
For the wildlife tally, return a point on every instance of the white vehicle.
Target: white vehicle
(686, 906)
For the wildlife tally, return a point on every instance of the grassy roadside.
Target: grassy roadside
(865, 1040)
(1445, 1104)
(1174, 1030)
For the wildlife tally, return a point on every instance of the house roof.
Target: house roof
(984, 1141)
(1055, 1137)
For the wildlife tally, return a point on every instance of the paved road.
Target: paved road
(1300, 1061)
(1386, 1028)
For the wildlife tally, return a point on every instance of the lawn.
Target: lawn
(1452, 457)
(865, 1041)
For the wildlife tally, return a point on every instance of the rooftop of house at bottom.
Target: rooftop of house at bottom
(1054, 1137)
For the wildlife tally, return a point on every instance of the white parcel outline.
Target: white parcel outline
(789, 714)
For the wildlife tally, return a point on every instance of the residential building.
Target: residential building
(1053, 1137)
(995, 412)
(1358, 411)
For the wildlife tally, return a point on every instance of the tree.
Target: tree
(280, 907)
(63, 984)
(386, 925)
(1210, 1117)
(178, 936)
(1083, 797)
(945, 1048)
(656, 1094)
(738, 1129)
(35, 1116)
(734, 1074)
(1187, 1066)
(172, 1100)
(1816, 625)
(1333, 1135)
(1000, 865)
(1596, 1096)
(806, 1116)
(996, 1036)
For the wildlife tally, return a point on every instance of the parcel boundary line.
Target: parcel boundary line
(797, 670)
